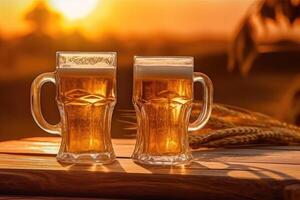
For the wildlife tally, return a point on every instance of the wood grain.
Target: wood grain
(28, 166)
(50, 145)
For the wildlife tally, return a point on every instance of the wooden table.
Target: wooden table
(28, 167)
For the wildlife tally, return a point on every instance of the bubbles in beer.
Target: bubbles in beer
(86, 98)
(163, 107)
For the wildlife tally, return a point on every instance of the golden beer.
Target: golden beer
(86, 99)
(86, 96)
(162, 97)
(166, 104)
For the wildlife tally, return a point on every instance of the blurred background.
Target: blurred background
(249, 48)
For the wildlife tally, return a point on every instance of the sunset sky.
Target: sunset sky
(132, 17)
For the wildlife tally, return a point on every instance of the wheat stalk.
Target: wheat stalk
(230, 125)
(244, 135)
(271, 136)
(219, 134)
(243, 117)
(239, 139)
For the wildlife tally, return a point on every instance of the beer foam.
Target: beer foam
(164, 72)
(69, 59)
(164, 67)
(103, 71)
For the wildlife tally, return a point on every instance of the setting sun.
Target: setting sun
(74, 9)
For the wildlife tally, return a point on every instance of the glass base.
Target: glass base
(180, 159)
(86, 158)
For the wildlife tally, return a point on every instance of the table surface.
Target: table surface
(28, 167)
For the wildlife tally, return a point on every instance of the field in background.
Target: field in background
(263, 90)
(30, 37)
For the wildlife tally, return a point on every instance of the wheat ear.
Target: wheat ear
(197, 139)
(266, 135)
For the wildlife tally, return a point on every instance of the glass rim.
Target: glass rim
(172, 61)
(86, 59)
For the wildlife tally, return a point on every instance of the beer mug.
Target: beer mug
(163, 97)
(86, 96)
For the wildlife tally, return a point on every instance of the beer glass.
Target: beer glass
(162, 97)
(86, 96)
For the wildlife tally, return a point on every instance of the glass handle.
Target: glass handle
(35, 102)
(207, 101)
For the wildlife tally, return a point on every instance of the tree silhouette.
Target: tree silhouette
(42, 18)
(247, 46)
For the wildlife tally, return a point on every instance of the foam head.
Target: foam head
(164, 67)
(86, 63)
(86, 59)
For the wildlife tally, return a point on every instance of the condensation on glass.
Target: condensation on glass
(86, 96)
(162, 96)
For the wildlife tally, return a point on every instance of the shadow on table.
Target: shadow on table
(225, 162)
(246, 159)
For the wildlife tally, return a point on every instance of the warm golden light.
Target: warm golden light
(93, 17)
(74, 9)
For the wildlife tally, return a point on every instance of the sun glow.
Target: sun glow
(74, 9)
